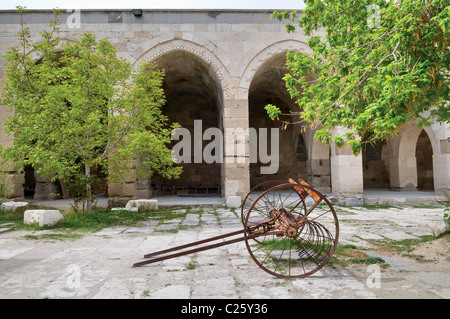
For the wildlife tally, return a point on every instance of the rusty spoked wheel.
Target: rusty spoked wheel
(291, 230)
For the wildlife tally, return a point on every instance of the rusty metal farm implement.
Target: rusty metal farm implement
(289, 229)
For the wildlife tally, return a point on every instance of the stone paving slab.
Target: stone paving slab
(99, 265)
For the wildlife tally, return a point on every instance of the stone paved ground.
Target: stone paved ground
(99, 265)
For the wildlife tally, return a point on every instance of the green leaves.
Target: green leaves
(370, 78)
(272, 111)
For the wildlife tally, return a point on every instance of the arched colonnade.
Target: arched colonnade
(205, 90)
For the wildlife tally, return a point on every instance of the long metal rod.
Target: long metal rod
(196, 243)
(193, 244)
(191, 251)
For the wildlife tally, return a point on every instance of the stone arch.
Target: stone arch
(424, 160)
(261, 82)
(205, 56)
(263, 53)
(194, 100)
(267, 87)
(192, 44)
(403, 163)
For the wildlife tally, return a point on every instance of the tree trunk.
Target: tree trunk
(87, 172)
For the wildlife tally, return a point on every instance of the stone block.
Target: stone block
(441, 227)
(143, 193)
(42, 217)
(14, 206)
(129, 176)
(118, 201)
(129, 189)
(115, 189)
(234, 201)
(143, 204)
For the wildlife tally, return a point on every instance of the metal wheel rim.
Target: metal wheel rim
(311, 228)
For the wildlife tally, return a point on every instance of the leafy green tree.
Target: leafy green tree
(77, 106)
(377, 64)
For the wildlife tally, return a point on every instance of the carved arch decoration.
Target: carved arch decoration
(263, 53)
(190, 43)
(403, 169)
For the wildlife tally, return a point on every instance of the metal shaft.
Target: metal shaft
(190, 251)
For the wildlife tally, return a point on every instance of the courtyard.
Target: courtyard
(408, 261)
(222, 69)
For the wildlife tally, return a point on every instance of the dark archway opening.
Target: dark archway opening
(268, 87)
(195, 101)
(424, 162)
(375, 170)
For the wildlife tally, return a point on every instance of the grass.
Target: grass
(279, 244)
(351, 254)
(83, 222)
(376, 207)
(104, 218)
(367, 260)
(404, 247)
(54, 236)
(191, 266)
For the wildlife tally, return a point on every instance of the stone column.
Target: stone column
(318, 164)
(236, 166)
(123, 189)
(45, 188)
(346, 176)
(403, 172)
(8, 173)
(13, 183)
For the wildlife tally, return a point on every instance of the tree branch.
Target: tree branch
(379, 63)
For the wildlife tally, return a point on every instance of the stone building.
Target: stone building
(222, 68)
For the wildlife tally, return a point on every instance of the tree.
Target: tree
(378, 64)
(80, 107)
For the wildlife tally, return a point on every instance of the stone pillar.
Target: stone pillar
(124, 189)
(45, 188)
(8, 173)
(236, 166)
(318, 165)
(144, 188)
(346, 176)
(13, 183)
(403, 172)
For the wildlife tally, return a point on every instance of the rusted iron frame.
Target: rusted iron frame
(303, 190)
(262, 228)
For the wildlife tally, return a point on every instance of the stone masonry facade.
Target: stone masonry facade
(222, 68)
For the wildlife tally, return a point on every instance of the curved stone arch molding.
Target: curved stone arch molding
(193, 44)
(262, 53)
(408, 137)
(403, 155)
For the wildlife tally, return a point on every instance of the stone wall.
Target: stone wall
(222, 68)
